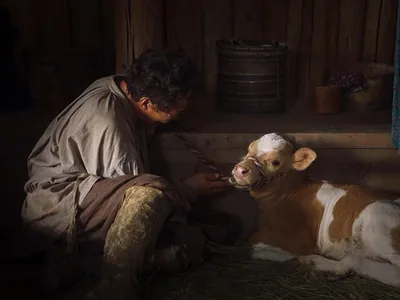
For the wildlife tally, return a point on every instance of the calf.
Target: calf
(334, 228)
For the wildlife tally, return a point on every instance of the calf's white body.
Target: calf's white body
(334, 228)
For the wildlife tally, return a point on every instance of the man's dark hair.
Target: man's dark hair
(163, 76)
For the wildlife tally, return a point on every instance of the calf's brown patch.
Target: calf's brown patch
(347, 209)
(291, 223)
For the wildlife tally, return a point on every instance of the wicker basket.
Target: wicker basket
(377, 91)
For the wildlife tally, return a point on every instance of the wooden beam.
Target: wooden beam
(139, 25)
(184, 29)
(107, 36)
(148, 25)
(318, 67)
(218, 19)
(123, 35)
(209, 142)
(248, 19)
(276, 19)
(351, 32)
(303, 79)
(371, 30)
(387, 32)
(332, 33)
(293, 39)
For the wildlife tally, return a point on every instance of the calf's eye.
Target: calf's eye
(276, 163)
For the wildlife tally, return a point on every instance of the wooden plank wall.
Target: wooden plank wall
(321, 34)
(63, 46)
(72, 42)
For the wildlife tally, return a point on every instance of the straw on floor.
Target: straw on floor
(228, 273)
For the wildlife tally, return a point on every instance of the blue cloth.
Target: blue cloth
(396, 88)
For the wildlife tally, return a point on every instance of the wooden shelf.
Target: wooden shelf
(204, 118)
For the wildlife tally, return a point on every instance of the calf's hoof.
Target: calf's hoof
(333, 268)
(307, 260)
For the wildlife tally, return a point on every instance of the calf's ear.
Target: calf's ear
(303, 158)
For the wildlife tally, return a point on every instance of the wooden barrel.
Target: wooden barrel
(251, 76)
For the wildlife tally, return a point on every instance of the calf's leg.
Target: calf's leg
(381, 231)
(262, 251)
(368, 268)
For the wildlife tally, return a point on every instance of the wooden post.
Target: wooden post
(139, 25)
(148, 25)
(123, 35)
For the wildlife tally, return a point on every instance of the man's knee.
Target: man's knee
(160, 184)
(148, 195)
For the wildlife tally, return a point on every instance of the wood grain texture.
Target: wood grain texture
(387, 31)
(184, 28)
(218, 21)
(303, 78)
(208, 141)
(124, 54)
(53, 25)
(332, 32)
(318, 66)
(108, 36)
(249, 19)
(294, 42)
(322, 35)
(371, 30)
(351, 31)
(148, 25)
(86, 24)
(275, 19)
(232, 156)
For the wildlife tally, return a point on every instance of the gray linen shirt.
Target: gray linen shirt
(96, 136)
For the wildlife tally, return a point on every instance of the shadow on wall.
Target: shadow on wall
(19, 132)
(15, 94)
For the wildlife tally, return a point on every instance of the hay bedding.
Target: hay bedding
(228, 273)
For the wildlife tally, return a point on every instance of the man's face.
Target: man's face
(156, 115)
(167, 116)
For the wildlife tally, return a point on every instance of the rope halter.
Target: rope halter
(259, 183)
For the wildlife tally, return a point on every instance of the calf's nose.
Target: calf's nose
(241, 171)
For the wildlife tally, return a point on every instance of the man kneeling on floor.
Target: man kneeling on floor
(89, 182)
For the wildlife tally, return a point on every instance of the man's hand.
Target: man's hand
(208, 184)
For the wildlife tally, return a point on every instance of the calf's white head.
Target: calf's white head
(269, 159)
